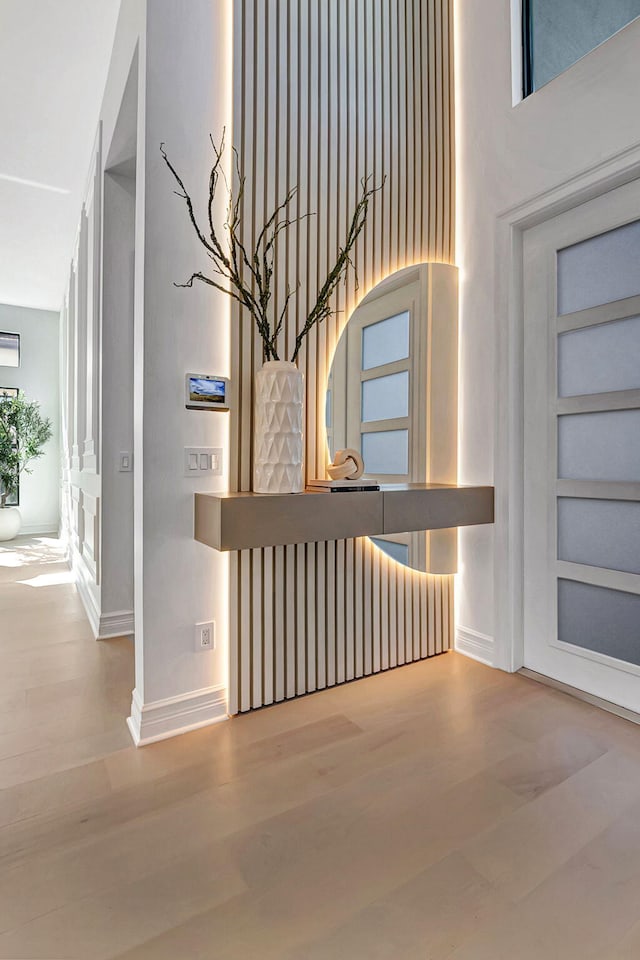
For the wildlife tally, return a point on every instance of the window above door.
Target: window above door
(557, 33)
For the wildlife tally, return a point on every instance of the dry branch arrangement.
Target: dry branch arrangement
(249, 274)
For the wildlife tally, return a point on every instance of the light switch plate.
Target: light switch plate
(125, 462)
(203, 461)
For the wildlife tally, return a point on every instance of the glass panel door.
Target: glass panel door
(582, 448)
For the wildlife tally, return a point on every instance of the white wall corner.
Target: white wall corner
(476, 645)
(162, 719)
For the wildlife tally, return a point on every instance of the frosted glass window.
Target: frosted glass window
(600, 359)
(560, 32)
(599, 619)
(600, 269)
(385, 397)
(385, 341)
(9, 349)
(397, 551)
(600, 446)
(386, 452)
(600, 533)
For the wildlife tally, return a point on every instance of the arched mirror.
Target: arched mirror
(392, 395)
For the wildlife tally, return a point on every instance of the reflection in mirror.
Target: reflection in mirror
(380, 392)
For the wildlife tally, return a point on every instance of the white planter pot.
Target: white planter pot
(10, 523)
(278, 453)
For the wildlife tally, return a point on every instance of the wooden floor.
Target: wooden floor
(438, 810)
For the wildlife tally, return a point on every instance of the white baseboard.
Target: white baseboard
(162, 719)
(104, 626)
(39, 529)
(478, 646)
(120, 623)
(88, 600)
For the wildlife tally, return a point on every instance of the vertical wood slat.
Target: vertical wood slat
(267, 622)
(393, 614)
(357, 611)
(233, 704)
(321, 615)
(349, 610)
(331, 613)
(325, 93)
(291, 624)
(257, 618)
(340, 613)
(311, 617)
(279, 639)
(244, 626)
(301, 619)
(400, 613)
(375, 608)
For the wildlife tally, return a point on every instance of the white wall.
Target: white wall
(506, 155)
(98, 326)
(39, 376)
(179, 94)
(179, 582)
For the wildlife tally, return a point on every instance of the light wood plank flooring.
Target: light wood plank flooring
(438, 810)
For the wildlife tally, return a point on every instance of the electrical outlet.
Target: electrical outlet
(205, 636)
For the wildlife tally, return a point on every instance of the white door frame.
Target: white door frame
(509, 423)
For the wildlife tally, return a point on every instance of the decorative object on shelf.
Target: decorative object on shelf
(278, 454)
(347, 465)
(23, 434)
(345, 475)
(247, 277)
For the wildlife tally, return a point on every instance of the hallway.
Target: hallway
(63, 696)
(439, 810)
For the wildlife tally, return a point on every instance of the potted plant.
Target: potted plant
(246, 276)
(23, 434)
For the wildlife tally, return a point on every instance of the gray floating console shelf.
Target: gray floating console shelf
(240, 521)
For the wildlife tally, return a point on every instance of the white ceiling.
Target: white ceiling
(54, 58)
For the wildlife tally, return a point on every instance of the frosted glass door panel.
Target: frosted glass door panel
(596, 618)
(600, 533)
(385, 341)
(386, 452)
(600, 359)
(385, 398)
(600, 269)
(600, 446)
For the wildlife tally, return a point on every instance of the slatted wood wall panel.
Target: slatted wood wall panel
(325, 92)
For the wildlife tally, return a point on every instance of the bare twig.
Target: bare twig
(232, 262)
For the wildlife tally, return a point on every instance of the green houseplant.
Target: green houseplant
(247, 276)
(23, 435)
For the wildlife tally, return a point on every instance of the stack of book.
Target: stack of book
(344, 486)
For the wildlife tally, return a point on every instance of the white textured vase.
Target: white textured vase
(278, 452)
(10, 523)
